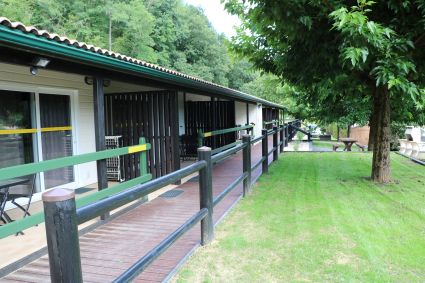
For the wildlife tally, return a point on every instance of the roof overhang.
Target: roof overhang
(30, 42)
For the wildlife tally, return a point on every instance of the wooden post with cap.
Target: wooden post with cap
(62, 235)
(206, 195)
(281, 138)
(275, 143)
(265, 151)
(246, 163)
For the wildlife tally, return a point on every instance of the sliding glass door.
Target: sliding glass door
(16, 144)
(56, 136)
(35, 127)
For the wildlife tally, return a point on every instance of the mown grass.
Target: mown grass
(327, 144)
(317, 218)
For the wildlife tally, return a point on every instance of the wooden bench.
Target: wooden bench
(361, 146)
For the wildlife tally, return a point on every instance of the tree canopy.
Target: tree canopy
(356, 60)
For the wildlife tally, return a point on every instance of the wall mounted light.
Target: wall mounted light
(38, 62)
(88, 80)
(33, 70)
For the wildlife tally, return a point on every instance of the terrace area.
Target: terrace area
(109, 248)
(309, 201)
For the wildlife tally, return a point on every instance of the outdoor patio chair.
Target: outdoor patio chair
(188, 147)
(23, 192)
(2, 217)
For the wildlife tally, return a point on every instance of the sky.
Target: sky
(219, 18)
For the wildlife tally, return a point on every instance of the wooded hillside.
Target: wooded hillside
(165, 32)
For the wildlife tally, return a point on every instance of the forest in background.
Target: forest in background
(165, 32)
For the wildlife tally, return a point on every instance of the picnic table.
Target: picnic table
(348, 142)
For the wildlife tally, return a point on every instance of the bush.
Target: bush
(332, 129)
(397, 132)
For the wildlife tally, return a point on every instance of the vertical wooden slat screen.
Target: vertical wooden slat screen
(151, 115)
(209, 116)
(174, 132)
(270, 114)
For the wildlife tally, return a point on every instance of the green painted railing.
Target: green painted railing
(223, 148)
(270, 122)
(33, 168)
(202, 135)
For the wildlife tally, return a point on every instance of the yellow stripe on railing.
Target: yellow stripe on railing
(137, 148)
(56, 129)
(208, 134)
(32, 131)
(17, 131)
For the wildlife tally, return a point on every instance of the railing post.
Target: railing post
(286, 134)
(200, 138)
(275, 148)
(206, 195)
(281, 138)
(143, 163)
(265, 151)
(62, 235)
(246, 164)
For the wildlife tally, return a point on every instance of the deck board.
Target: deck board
(110, 249)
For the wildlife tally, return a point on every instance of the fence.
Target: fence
(294, 127)
(267, 124)
(63, 214)
(202, 136)
(270, 115)
(34, 168)
(291, 128)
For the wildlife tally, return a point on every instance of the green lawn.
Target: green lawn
(328, 144)
(317, 218)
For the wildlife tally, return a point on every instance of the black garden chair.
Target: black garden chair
(23, 191)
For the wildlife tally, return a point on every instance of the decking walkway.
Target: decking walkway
(110, 249)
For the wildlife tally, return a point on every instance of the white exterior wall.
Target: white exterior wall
(17, 78)
(256, 117)
(182, 126)
(240, 113)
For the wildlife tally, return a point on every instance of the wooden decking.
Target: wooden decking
(110, 249)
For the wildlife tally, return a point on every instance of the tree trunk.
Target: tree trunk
(381, 147)
(373, 121)
(110, 32)
(348, 131)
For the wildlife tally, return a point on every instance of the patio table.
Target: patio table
(348, 142)
(4, 194)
